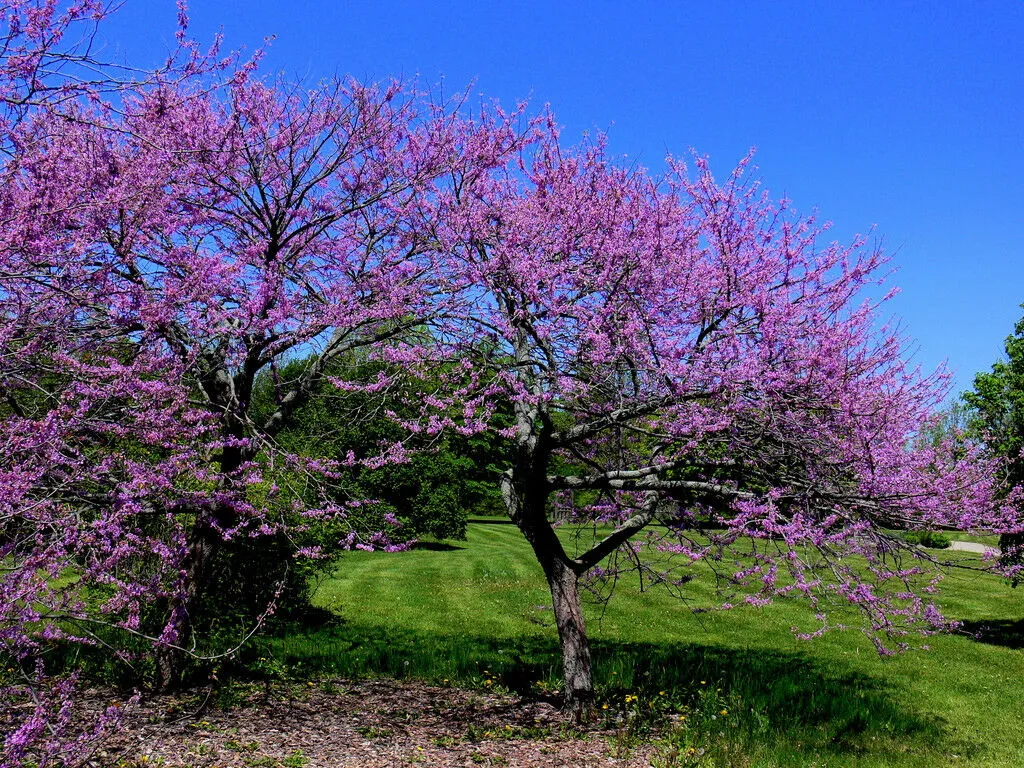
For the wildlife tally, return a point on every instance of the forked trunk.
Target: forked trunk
(205, 539)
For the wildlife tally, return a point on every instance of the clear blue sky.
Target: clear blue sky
(905, 116)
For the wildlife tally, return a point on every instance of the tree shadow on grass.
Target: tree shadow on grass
(436, 546)
(1008, 633)
(792, 697)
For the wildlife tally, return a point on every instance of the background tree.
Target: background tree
(691, 346)
(447, 477)
(997, 404)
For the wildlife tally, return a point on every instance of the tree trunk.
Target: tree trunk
(228, 395)
(171, 661)
(565, 600)
(565, 597)
(525, 491)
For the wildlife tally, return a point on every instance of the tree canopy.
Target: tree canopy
(688, 352)
(166, 240)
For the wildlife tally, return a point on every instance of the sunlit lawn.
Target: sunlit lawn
(477, 614)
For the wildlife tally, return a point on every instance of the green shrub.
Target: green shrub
(929, 539)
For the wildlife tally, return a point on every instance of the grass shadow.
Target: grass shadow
(791, 697)
(436, 546)
(1008, 633)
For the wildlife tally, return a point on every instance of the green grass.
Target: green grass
(475, 613)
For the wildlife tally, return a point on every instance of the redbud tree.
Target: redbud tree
(690, 359)
(166, 241)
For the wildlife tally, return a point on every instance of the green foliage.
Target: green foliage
(445, 480)
(430, 494)
(997, 401)
(929, 539)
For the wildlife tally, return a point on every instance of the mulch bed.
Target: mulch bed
(366, 723)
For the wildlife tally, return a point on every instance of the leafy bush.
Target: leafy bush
(929, 539)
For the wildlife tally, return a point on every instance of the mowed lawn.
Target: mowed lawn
(476, 613)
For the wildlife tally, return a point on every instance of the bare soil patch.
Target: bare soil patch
(368, 723)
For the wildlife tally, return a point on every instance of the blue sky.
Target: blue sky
(902, 116)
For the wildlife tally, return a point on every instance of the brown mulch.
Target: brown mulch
(366, 723)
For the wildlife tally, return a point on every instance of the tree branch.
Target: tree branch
(619, 536)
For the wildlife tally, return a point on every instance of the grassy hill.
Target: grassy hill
(476, 613)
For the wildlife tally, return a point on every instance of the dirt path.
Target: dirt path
(362, 723)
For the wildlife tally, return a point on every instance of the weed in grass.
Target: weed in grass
(231, 694)
(295, 760)
(235, 746)
(373, 733)
(506, 732)
(534, 732)
(203, 750)
(330, 687)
